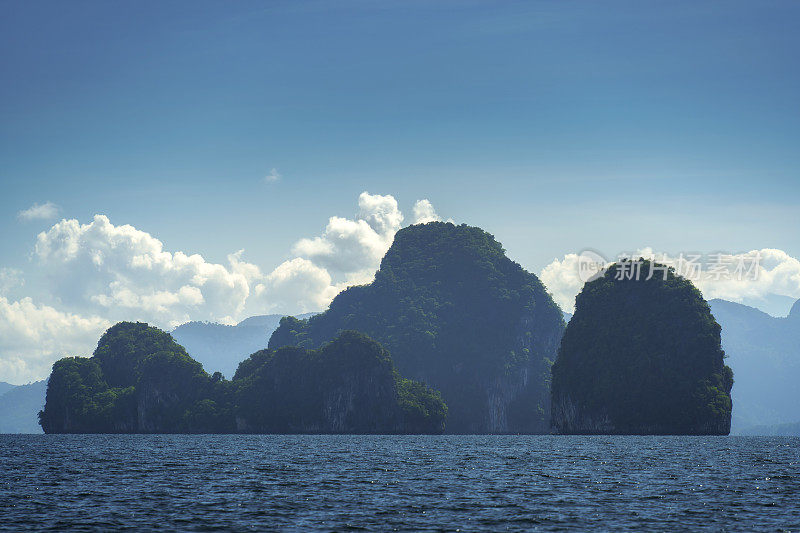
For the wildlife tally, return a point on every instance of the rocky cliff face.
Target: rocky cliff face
(641, 356)
(460, 316)
(571, 418)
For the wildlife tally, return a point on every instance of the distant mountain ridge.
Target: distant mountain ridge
(764, 353)
(794, 314)
(220, 348)
(19, 407)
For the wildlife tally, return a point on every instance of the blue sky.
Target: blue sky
(557, 126)
(518, 119)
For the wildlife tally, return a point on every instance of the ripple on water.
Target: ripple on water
(308, 482)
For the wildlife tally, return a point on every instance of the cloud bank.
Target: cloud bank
(99, 273)
(775, 272)
(33, 336)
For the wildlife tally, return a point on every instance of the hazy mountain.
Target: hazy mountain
(19, 408)
(764, 353)
(221, 348)
(5, 387)
(773, 304)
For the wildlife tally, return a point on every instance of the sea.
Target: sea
(398, 483)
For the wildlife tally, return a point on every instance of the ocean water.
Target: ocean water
(343, 482)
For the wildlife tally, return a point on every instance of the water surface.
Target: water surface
(471, 483)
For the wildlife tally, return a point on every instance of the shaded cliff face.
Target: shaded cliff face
(641, 357)
(457, 314)
(348, 386)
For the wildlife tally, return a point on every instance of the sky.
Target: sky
(173, 161)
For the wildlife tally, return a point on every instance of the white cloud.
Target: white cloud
(125, 273)
(562, 281)
(351, 249)
(273, 176)
(296, 286)
(44, 211)
(775, 272)
(33, 336)
(424, 212)
(111, 272)
(10, 278)
(121, 272)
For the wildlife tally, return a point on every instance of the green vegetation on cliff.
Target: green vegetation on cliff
(641, 356)
(140, 380)
(458, 315)
(348, 385)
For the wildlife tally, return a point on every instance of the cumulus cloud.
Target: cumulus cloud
(562, 281)
(775, 272)
(351, 249)
(742, 277)
(98, 273)
(296, 286)
(123, 272)
(44, 211)
(120, 272)
(33, 336)
(424, 212)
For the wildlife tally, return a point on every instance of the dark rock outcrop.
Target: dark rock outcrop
(349, 385)
(139, 380)
(458, 315)
(641, 356)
